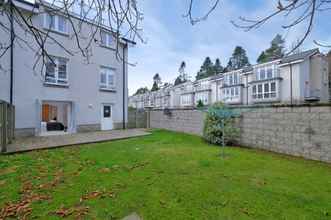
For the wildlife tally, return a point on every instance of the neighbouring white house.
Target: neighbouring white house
(295, 79)
(68, 95)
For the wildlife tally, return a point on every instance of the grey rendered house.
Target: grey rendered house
(294, 79)
(80, 96)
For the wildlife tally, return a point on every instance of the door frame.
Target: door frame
(104, 126)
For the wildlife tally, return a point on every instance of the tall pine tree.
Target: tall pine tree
(262, 58)
(206, 70)
(238, 59)
(275, 51)
(157, 82)
(182, 74)
(141, 90)
(218, 68)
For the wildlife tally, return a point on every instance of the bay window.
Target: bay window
(203, 96)
(266, 72)
(230, 94)
(264, 91)
(232, 78)
(186, 99)
(107, 78)
(56, 71)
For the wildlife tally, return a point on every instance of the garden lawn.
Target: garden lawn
(165, 175)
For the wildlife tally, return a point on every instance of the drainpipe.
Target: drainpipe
(11, 51)
(291, 86)
(247, 89)
(124, 85)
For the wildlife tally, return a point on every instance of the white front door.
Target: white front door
(106, 117)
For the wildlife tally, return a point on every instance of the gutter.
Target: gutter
(291, 63)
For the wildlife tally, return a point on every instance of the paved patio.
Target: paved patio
(45, 142)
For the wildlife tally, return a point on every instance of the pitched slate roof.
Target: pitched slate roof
(299, 56)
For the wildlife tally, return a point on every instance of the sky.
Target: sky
(170, 38)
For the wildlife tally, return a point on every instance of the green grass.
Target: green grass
(167, 175)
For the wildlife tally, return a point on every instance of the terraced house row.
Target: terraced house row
(295, 79)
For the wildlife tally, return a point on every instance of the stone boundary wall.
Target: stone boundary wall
(303, 131)
(184, 120)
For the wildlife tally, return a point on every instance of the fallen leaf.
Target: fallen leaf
(2, 182)
(77, 211)
(245, 211)
(116, 166)
(104, 170)
(96, 194)
(8, 170)
(21, 209)
(64, 212)
(138, 165)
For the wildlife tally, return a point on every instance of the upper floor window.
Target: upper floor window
(56, 23)
(266, 72)
(106, 39)
(56, 71)
(232, 78)
(107, 78)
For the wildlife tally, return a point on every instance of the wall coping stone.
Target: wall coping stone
(278, 105)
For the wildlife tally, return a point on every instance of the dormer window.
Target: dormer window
(106, 39)
(56, 23)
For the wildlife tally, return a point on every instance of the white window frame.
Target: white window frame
(203, 96)
(56, 80)
(56, 24)
(107, 71)
(232, 78)
(231, 93)
(108, 39)
(263, 94)
(186, 99)
(265, 68)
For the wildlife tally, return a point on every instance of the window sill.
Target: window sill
(276, 99)
(266, 80)
(107, 47)
(56, 85)
(233, 85)
(57, 32)
(107, 90)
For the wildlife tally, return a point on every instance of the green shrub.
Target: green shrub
(200, 104)
(217, 115)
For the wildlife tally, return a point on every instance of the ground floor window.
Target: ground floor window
(229, 93)
(264, 90)
(186, 99)
(203, 96)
